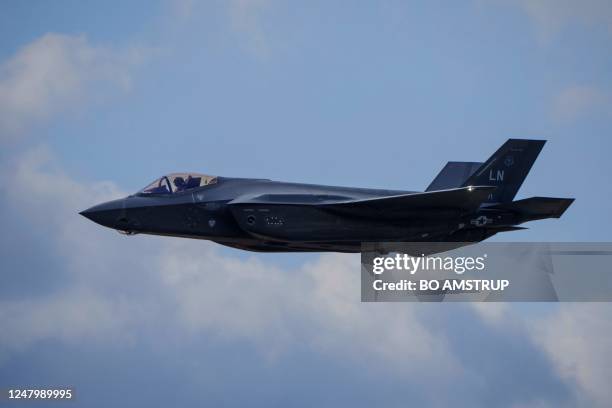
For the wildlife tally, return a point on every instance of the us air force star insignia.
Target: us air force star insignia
(480, 221)
(509, 161)
(211, 223)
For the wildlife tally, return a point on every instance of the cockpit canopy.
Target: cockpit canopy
(178, 182)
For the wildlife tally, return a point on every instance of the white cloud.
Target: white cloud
(53, 74)
(75, 315)
(551, 16)
(34, 186)
(246, 19)
(576, 101)
(578, 339)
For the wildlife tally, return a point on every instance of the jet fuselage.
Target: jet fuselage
(467, 202)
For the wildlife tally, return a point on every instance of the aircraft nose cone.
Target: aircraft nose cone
(107, 214)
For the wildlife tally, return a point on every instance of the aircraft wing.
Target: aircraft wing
(464, 198)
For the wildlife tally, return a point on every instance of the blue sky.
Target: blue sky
(97, 100)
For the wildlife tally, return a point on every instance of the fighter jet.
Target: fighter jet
(466, 202)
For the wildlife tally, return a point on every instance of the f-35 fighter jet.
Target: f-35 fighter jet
(466, 202)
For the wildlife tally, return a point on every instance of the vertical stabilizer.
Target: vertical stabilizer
(507, 169)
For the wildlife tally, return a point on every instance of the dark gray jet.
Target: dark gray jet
(466, 202)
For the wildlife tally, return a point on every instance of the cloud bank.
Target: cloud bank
(149, 292)
(54, 74)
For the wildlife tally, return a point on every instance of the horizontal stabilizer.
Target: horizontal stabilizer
(537, 207)
(453, 175)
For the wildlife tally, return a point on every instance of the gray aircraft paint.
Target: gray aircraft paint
(466, 202)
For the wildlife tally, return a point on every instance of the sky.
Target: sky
(99, 99)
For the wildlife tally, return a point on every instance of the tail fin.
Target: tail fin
(507, 169)
(453, 175)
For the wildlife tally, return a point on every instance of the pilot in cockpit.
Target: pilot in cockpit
(179, 183)
(192, 182)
